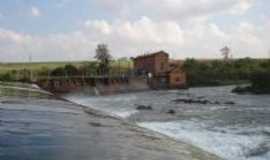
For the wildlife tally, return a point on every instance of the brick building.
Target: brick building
(161, 72)
(155, 63)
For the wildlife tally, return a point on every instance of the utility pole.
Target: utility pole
(29, 63)
(31, 72)
(119, 67)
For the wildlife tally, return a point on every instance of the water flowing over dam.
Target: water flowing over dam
(35, 124)
(234, 127)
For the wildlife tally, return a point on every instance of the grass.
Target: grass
(37, 66)
(6, 67)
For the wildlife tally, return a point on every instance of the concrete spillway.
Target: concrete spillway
(35, 125)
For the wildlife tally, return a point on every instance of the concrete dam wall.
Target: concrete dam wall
(95, 87)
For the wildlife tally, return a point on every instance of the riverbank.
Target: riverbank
(259, 84)
(250, 90)
(38, 126)
(219, 83)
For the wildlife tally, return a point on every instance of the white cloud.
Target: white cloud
(35, 11)
(130, 38)
(99, 25)
(242, 6)
(17, 46)
(176, 9)
(180, 27)
(124, 38)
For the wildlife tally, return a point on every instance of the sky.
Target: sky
(69, 30)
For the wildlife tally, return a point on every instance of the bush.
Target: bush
(219, 72)
(44, 71)
(6, 77)
(89, 68)
(59, 71)
(261, 81)
(71, 70)
(67, 70)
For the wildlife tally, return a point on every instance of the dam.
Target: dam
(34, 124)
(101, 84)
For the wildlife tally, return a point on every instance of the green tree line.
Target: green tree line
(219, 72)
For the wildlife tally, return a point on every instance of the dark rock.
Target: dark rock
(143, 107)
(201, 97)
(258, 151)
(171, 111)
(251, 90)
(216, 102)
(183, 100)
(202, 101)
(242, 90)
(189, 101)
(230, 103)
(94, 124)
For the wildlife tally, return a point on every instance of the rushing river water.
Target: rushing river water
(235, 127)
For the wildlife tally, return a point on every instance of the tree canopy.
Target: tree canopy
(104, 57)
(103, 53)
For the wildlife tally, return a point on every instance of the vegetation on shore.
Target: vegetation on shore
(22, 71)
(260, 84)
(220, 72)
(240, 71)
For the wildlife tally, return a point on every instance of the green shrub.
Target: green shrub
(261, 81)
(71, 70)
(7, 77)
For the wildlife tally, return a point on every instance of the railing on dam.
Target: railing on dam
(82, 77)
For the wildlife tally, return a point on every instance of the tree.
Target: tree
(89, 68)
(226, 52)
(59, 71)
(7, 77)
(71, 70)
(104, 57)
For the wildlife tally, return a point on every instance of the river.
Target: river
(234, 127)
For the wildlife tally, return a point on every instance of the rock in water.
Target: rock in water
(230, 103)
(171, 111)
(143, 107)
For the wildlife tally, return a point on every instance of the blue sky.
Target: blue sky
(71, 29)
(56, 16)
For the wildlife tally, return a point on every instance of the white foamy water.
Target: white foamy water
(233, 132)
(224, 142)
(106, 104)
(124, 114)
